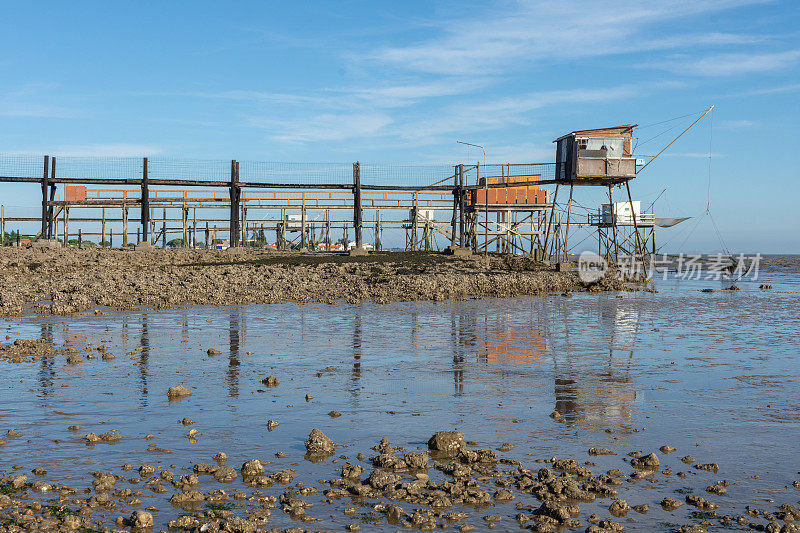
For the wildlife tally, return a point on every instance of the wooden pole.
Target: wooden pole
(110, 238)
(152, 227)
(80, 239)
(45, 186)
(194, 227)
(244, 223)
(125, 226)
(378, 237)
(461, 206)
(185, 224)
(357, 212)
(103, 228)
(414, 217)
(550, 222)
(66, 226)
(303, 225)
(613, 224)
(235, 194)
(52, 197)
(327, 230)
(569, 212)
(454, 217)
(145, 214)
(640, 250)
(207, 243)
(2, 225)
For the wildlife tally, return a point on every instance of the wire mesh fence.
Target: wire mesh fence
(414, 175)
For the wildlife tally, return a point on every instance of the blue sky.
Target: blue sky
(402, 81)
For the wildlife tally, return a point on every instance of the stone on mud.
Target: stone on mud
(319, 443)
(447, 442)
(178, 391)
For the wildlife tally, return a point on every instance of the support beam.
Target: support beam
(52, 197)
(235, 195)
(45, 191)
(357, 211)
(125, 226)
(145, 213)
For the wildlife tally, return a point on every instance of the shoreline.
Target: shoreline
(62, 282)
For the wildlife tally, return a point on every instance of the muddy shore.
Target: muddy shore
(60, 282)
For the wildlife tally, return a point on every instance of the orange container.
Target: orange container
(74, 193)
(500, 196)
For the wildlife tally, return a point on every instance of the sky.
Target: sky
(401, 82)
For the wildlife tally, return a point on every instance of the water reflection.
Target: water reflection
(46, 372)
(600, 394)
(233, 346)
(144, 358)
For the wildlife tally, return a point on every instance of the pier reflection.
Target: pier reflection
(595, 389)
(234, 340)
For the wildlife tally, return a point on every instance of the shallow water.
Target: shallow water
(717, 375)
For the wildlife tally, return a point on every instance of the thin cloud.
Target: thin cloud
(733, 64)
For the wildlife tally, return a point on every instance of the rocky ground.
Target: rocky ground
(449, 485)
(64, 281)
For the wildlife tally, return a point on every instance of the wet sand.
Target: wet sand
(61, 282)
(662, 411)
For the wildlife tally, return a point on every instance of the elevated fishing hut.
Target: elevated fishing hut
(600, 157)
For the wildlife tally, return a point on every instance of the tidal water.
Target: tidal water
(715, 374)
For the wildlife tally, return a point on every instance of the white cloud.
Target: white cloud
(732, 64)
(546, 31)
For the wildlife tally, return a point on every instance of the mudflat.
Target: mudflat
(64, 281)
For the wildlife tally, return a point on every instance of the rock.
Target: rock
(19, 481)
(186, 420)
(647, 462)
(271, 381)
(708, 467)
(110, 436)
(74, 359)
(146, 471)
(225, 474)
(447, 443)
(641, 509)
(92, 437)
(141, 519)
(178, 391)
(600, 451)
(669, 504)
(309, 397)
(687, 459)
(271, 424)
(213, 351)
(221, 458)
(667, 449)
(13, 434)
(619, 508)
(252, 469)
(334, 414)
(319, 443)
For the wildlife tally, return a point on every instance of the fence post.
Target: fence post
(125, 225)
(235, 194)
(66, 226)
(52, 197)
(303, 242)
(2, 225)
(45, 185)
(461, 206)
(145, 216)
(454, 219)
(80, 239)
(207, 243)
(103, 228)
(357, 212)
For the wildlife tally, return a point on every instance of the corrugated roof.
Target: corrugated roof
(613, 130)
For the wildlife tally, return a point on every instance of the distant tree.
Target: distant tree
(72, 242)
(105, 244)
(175, 243)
